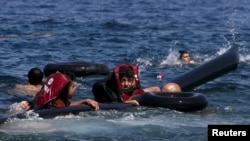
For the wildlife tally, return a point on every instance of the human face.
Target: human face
(185, 58)
(127, 83)
(72, 89)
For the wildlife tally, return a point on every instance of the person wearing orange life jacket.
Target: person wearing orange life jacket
(123, 85)
(56, 92)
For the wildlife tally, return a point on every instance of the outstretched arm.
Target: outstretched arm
(90, 102)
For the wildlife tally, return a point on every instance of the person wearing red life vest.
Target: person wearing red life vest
(123, 85)
(57, 92)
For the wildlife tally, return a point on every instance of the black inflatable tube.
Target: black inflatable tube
(51, 113)
(80, 69)
(211, 70)
(184, 101)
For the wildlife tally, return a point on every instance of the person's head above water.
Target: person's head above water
(35, 76)
(127, 77)
(185, 57)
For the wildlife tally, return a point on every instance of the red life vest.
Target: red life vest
(51, 89)
(137, 90)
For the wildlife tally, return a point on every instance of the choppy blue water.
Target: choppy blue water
(148, 33)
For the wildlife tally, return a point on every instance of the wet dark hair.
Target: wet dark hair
(64, 92)
(35, 76)
(71, 76)
(126, 71)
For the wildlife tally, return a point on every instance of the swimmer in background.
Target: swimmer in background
(35, 82)
(185, 57)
